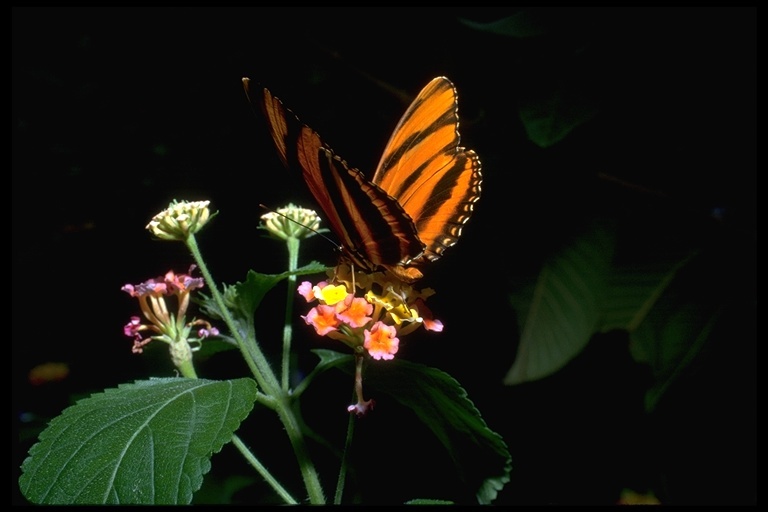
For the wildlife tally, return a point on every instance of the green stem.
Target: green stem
(279, 489)
(267, 380)
(188, 371)
(308, 471)
(252, 354)
(344, 461)
(293, 263)
(187, 368)
(266, 400)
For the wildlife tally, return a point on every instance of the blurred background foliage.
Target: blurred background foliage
(600, 308)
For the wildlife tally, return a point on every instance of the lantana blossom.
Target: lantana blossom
(381, 341)
(323, 318)
(354, 311)
(291, 221)
(373, 321)
(180, 220)
(163, 324)
(385, 299)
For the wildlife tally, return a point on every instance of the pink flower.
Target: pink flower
(323, 319)
(163, 322)
(430, 323)
(361, 408)
(381, 341)
(354, 311)
(305, 290)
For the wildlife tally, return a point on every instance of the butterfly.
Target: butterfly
(419, 198)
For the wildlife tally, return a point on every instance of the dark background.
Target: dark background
(117, 111)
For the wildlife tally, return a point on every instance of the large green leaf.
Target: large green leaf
(634, 290)
(581, 292)
(149, 442)
(566, 307)
(480, 455)
(670, 341)
(670, 297)
(701, 302)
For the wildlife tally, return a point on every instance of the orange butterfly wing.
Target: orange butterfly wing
(373, 227)
(435, 180)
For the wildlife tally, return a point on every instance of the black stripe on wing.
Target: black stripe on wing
(373, 228)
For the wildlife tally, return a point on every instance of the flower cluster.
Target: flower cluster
(374, 322)
(388, 308)
(291, 222)
(180, 220)
(164, 324)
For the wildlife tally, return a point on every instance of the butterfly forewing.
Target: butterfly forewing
(276, 121)
(372, 226)
(435, 180)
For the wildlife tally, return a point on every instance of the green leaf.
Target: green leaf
(683, 324)
(428, 501)
(213, 346)
(328, 359)
(548, 120)
(633, 291)
(673, 338)
(480, 455)
(566, 306)
(582, 286)
(331, 358)
(555, 87)
(243, 298)
(149, 442)
(523, 24)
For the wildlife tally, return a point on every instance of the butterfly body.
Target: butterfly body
(421, 195)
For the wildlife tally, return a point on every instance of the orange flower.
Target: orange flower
(323, 319)
(381, 341)
(354, 311)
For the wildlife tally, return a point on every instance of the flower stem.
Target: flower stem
(186, 368)
(252, 354)
(267, 380)
(279, 489)
(308, 471)
(344, 461)
(293, 262)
